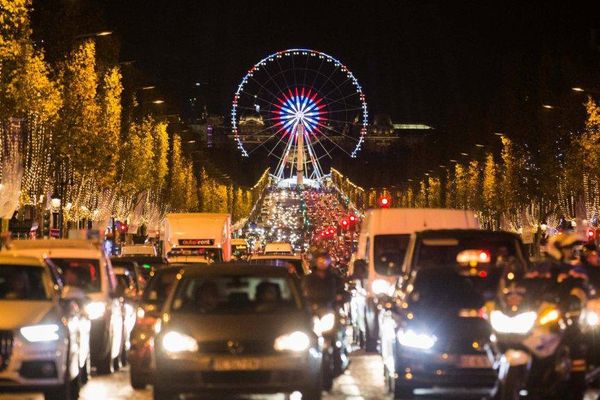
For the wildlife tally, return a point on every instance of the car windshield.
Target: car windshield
(159, 287)
(496, 251)
(444, 288)
(388, 253)
(236, 295)
(22, 283)
(80, 272)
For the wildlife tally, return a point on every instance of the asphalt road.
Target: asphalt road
(362, 381)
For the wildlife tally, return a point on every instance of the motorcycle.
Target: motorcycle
(536, 325)
(330, 324)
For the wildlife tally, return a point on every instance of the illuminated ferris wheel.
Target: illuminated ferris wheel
(300, 107)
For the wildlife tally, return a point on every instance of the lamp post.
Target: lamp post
(55, 208)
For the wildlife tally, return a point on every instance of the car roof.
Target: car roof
(233, 269)
(275, 257)
(18, 260)
(464, 233)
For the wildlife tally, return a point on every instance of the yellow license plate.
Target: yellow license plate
(236, 364)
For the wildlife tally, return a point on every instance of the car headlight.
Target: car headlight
(380, 286)
(40, 333)
(95, 309)
(551, 315)
(519, 324)
(416, 340)
(324, 324)
(296, 341)
(175, 342)
(592, 318)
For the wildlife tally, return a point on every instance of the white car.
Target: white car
(44, 341)
(83, 264)
(279, 248)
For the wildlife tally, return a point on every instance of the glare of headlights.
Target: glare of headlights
(380, 286)
(324, 324)
(591, 318)
(95, 309)
(519, 324)
(416, 340)
(40, 333)
(296, 341)
(175, 342)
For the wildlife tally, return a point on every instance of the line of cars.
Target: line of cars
(455, 310)
(65, 309)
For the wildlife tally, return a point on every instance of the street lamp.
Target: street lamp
(577, 89)
(157, 101)
(548, 106)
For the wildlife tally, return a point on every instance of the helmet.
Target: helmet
(562, 241)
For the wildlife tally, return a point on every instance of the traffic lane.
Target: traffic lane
(362, 381)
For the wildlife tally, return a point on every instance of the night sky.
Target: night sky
(418, 61)
(467, 68)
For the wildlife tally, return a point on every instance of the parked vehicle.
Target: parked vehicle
(300, 265)
(237, 328)
(44, 340)
(239, 249)
(83, 264)
(382, 244)
(197, 237)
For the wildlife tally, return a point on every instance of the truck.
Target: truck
(197, 237)
(382, 243)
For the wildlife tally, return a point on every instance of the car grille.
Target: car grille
(6, 346)
(237, 347)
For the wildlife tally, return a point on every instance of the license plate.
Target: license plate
(474, 361)
(236, 364)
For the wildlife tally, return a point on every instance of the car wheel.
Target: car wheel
(403, 391)
(371, 335)
(313, 393)
(69, 390)
(84, 372)
(137, 381)
(105, 366)
(160, 394)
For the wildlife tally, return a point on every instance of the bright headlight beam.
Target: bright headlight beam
(40, 333)
(519, 324)
(324, 324)
(296, 341)
(175, 342)
(417, 340)
(95, 309)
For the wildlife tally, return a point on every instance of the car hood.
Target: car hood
(239, 326)
(16, 314)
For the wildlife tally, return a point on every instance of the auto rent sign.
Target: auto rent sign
(196, 242)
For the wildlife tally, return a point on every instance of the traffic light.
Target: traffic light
(385, 202)
(591, 235)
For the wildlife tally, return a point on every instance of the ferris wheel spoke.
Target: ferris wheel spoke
(332, 141)
(262, 144)
(272, 78)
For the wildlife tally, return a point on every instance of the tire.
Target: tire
(403, 391)
(137, 381)
(160, 394)
(371, 339)
(105, 366)
(85, 371)
(512, 385)
(69, 390)
(313, 393)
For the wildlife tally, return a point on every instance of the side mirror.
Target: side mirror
(361, 269)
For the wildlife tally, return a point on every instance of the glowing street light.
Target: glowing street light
(158, 101)
(548, 106)
(577, 89)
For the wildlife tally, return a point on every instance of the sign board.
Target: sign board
(54, 233)
(196, 242)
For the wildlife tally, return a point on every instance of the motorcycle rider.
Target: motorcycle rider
(569, 281)
(323, 286)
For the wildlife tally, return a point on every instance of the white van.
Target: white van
(382, 243)
(83, 264)
(138, 250)
(278, 248)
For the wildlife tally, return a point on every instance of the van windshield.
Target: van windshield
(388, 253)
(83, 273)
